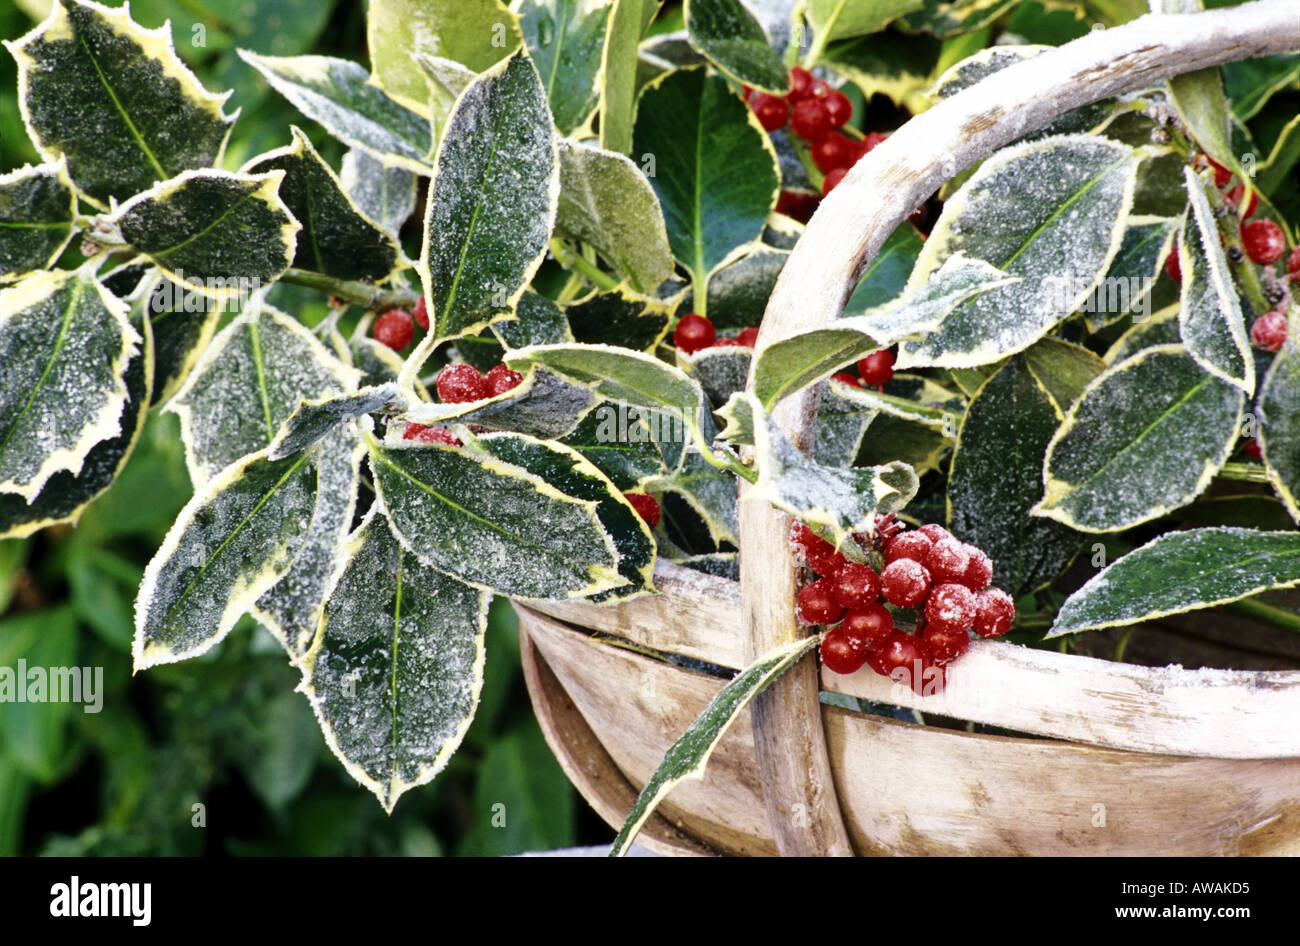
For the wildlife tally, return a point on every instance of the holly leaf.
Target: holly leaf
(888, 63)
(541, 405)
(566, 39)
(734, 41)
(1279, 424)
(619, 442)
(948, 18)
(619, 317)
(1063, 369)
(183, 324)
(628, 21)
(538, 321)
(738, 292)
(710, 492)
(313, 420)
(384, 193)
(885, 279)
(89, 67)
(37, 210)
(841, 425)
(720, 371)
(1200, 102)
(1250, 83)
(1129, 284)
(837, 19)
(65, 344)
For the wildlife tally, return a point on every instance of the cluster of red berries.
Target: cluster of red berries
(695, 333)
(396, 327)
(875, 371)
(927, 569)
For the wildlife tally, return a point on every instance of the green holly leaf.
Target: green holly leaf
(734, 41)
(1182, 571)
(1051, 212)
(1062, 369)
(336, 238)
(37, 210)
(720, 371)
(714, 168)
(541, 405)
(738, 292)
(1128, 287)
(1200, 102)
(1279, 424)
(621, 443)
(1160, 329)
(217, 233)
(888, 63)
(566, 39)
(377, 363)
(88, 67)
(886, 278)
(607, 202)
(384, 193)
(65, 343)
(619, 83)
(710, 492)
(538, 321)
(1146, 437)
(841, 425)
(619, 317)
(1250, 83)
(948, 18)
(316, 419)
(396, 671)
(839, 19)
(183, 324)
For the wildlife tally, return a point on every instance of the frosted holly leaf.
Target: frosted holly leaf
(542, 405)
(886, 278)
(377, 363)
(1051, 212)
(37, 210)
(1198, 96)
(620, 316)
(890, 438)
(781, 232)
(738, 292)
(792, 364)
(721, 372)
(566, 40)
(446, 79)
(835, 19)
(292, 608)
(234, 539)
(575, 476)
(336, 239)
(115, 100)
(738, 419)
(1062, 369)
(476, 33)
(710, 492)
(250, 380)
(947, 18)
(838, 501)
(1129, 284)
(1279, 424)
(719, 564)
(1160, 329)
(894, 65)
(183, 324)
(383, 192)
(734, 41)
(313, 420)
(841, 424)
(918, 400)
(996, 477)
(65, 495)
(538, 321)
(341, 97)
(215, 233)
(491, 204)
(1182, 571)
(493, 524)
(619, 442)
(1146, 437)
(1210, 320)
(65, 343)
(715, 170)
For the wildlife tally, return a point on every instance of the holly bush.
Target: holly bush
(1086, 329)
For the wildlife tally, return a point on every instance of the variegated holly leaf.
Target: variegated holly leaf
(889, 63)
(65, 495)
(620, 317)
(446, 79)
(214, 232)
(841, 424)
(340, 96)
(538, 321)
(838, 19)
(710, 492)
(396, 671)
(781, 232)
(839, 501)
(37, 210)
(566, 39)
(1198, 97)
(720, 371)
(316, 419)
(996, 477)
(475, 33)
(115, 100)
(1063, 369)
(1279, 423)
(491, 204)
(948, 18)
(738, 292)
(65, 343)
(620, 442)
(714, 169)
(1160, 329)
(1182, 571)
(249, 381)
(234, 539)
(607, 202)
(733, 40)
(336, 238)
(183, 324)
(377, 363)
(1210, 320)
(1250, 83)
(574, 476)
(886, 278)
(794, 363)
(689, 755)
(1146, 437)
(542, 405)
(1051, 212)
(1129, 285)
(475, 517)
(383, 192)
(890, 437)
(628, 21)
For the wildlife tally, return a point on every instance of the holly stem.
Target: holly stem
(363, 294)
(1244, 472)
(1274, 614)
(1242, 268)
(576, 262)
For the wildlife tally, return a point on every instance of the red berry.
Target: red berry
(422, 434)
(841, 652)
(461, 383)
(395, 329)
(979, 572)
(797, 205)
(725, 343)
(856, 585)
(1264, 240)
(994, 613)
(746, 92)
(816, 603)
(772, 111)
(646, 507)
(838, 108)
(914, 545)
(877, 369)
(935, 532)
(817, 552)
(693, 333)
(950, 607)
(747, 337)
(501, 379)
(421, 313)
(1293, 261)
(1235, 197)
(1269, 331)
(904, 583)
(947, 561)
(832, 180)
(809, 119)
(801, 81)
(868, 143)
(871, 625)
(843, 377)
(1221, 174)
(833, 152)
(1172, 267)
(1251, 447)
(899, 652)
(945, 645)
(818, 89)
